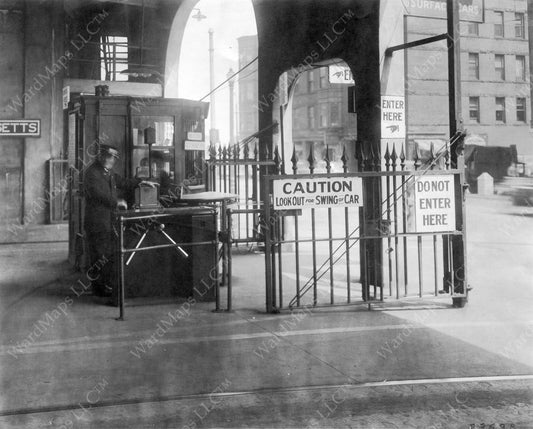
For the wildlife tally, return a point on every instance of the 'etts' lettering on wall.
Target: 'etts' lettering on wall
(20, 127)
(434, 203)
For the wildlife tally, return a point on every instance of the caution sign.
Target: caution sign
(434, 199)
(289, 194)
(392, 117)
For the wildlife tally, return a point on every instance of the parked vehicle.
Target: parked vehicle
(494, 160)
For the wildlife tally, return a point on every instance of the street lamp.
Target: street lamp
(213, 132)
(198, 15)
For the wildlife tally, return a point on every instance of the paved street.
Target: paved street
(417, 366)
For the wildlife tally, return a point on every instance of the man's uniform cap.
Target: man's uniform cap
(109, 150)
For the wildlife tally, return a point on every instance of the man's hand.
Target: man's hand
(148, 183)
(121, 204)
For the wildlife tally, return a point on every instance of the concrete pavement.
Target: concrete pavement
(408, 366)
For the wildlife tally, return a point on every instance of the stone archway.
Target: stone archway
(336, 127)
(175, 41)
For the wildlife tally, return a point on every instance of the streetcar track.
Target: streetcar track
(78, 344)
(272, 390)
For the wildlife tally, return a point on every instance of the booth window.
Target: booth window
(162, 150)
(113, 57)
(473, 107)
(521, 109)
(500, 109)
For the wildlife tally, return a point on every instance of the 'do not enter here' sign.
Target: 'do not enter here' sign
(434, 198)
(289, 194)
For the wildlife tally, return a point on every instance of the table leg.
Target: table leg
(121, 268)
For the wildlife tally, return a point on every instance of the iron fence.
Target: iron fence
(346, 255)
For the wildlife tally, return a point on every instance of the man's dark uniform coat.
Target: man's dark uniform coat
(100, 191)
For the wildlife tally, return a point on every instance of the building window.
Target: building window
(473, 66)
(520, 68)
(300, 118)
(113, 57)
(250, 91)
(521, 109)
(323, 115)
(310, 81)
(500, 109)
(473, 106)
(472, 28)
(297, 86)
(334, 114)
(323, 77)
(247, 124)
(498, 24)
(499, 66)
(311, 117)
(519, 26)
(244, 89)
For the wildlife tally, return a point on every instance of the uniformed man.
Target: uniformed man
(101, 202)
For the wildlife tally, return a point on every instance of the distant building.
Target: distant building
(319, 111)
(320, 119)
(496, 101)
(247, 117)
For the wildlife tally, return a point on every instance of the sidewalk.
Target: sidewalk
(14, 233)
(266, 370)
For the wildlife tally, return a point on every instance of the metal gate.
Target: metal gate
(236, 169)
(370, 253)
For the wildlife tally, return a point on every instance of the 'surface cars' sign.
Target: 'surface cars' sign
(469, 10)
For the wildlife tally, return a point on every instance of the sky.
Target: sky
(229, 20)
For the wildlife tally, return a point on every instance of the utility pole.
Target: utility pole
(530, 43)
(213, 132)
(454, 69)
(455, 267)
(231, 107)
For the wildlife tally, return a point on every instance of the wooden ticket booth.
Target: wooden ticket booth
(160, 139)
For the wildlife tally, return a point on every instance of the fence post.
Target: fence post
(268, 251)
